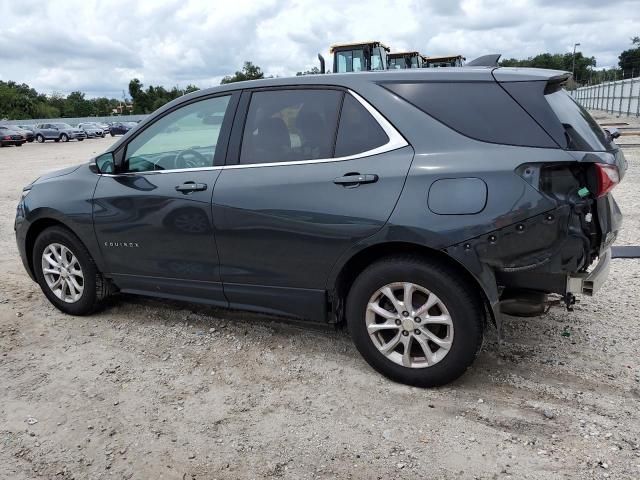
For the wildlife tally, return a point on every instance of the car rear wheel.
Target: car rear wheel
(66, 272)
(112, 134)
(415, 321)
(64, 137)
(18, 144)
(39, 138)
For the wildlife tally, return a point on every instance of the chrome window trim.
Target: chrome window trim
(396, 141)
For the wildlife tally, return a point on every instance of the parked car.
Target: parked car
(58, 132)
(27, 134)
(28, 129)
(120, 128)
(9, 136)
(91, 129)
(417, 210)
(104, 126)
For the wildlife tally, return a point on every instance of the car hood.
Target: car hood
(56, 173)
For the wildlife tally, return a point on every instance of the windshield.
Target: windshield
(350, 61)
(582, 132)
(130, 124)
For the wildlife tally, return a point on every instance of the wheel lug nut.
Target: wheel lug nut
(405, 332)
(416, 331)
(405, 314)
(417, 319)
(398, 322)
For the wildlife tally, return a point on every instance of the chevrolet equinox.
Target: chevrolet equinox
(415, 206)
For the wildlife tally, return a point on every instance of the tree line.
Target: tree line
(585, 67)
(20, 101)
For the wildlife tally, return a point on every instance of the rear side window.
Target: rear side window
(290, 125)
(358, 131)
(480, 110)
(582, 132)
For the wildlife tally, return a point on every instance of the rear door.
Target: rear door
(297, 191)
(153, 217)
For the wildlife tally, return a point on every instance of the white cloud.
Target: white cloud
(98, 46)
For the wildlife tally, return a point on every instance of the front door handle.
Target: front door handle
(354, 179)
(188, 187)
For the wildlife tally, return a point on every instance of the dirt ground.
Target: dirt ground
(152, 389)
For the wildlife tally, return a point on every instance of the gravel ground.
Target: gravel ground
(151, 389)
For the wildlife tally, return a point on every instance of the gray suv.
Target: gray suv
(59, 132)
(416, 206)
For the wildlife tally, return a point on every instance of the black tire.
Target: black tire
(56, 140)
(80, 139)
(461, 300)
(112, 134)
(94, 287)
(30, 140)
(18, 144)
(39, 138)
(64, 137)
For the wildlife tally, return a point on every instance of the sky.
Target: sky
(59, 46)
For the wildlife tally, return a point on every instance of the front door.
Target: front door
(153, 217)
(303, 192)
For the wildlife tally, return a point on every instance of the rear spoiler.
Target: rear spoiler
(556, 82)
(490, 60)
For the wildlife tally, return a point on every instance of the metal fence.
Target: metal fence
(620, 97)
(75, 121)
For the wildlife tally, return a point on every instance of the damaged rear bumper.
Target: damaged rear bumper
(588, 283)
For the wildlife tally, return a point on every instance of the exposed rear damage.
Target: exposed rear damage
(566, 250)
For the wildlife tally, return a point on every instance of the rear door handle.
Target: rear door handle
(188, 187)
(355, 179)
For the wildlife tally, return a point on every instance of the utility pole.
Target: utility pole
(573, 69)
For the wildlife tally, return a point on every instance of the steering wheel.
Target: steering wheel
(197, 159)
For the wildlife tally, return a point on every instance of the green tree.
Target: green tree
(190, 89)
(629, 60)
(557, 61)
(249, 72)
(313, 71)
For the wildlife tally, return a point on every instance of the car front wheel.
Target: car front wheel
(39, 138)
(66, 272)
(64, 137)
(415, 321)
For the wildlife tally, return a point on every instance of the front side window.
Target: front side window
(184, 138)
(290, 125)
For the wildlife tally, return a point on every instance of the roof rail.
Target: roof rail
(490, 60)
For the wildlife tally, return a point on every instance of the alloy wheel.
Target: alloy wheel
(409, 325)
(62, 272)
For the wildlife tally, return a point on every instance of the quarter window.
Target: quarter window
(290, 125)
(184, 138)
(358, 131)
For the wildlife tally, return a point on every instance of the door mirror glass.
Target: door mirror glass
(105, 163)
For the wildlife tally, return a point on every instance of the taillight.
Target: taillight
(608, 177)
(7, 137)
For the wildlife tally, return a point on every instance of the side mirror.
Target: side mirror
(105, 164)
(613, 132)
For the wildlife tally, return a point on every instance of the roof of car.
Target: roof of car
(355, 79)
